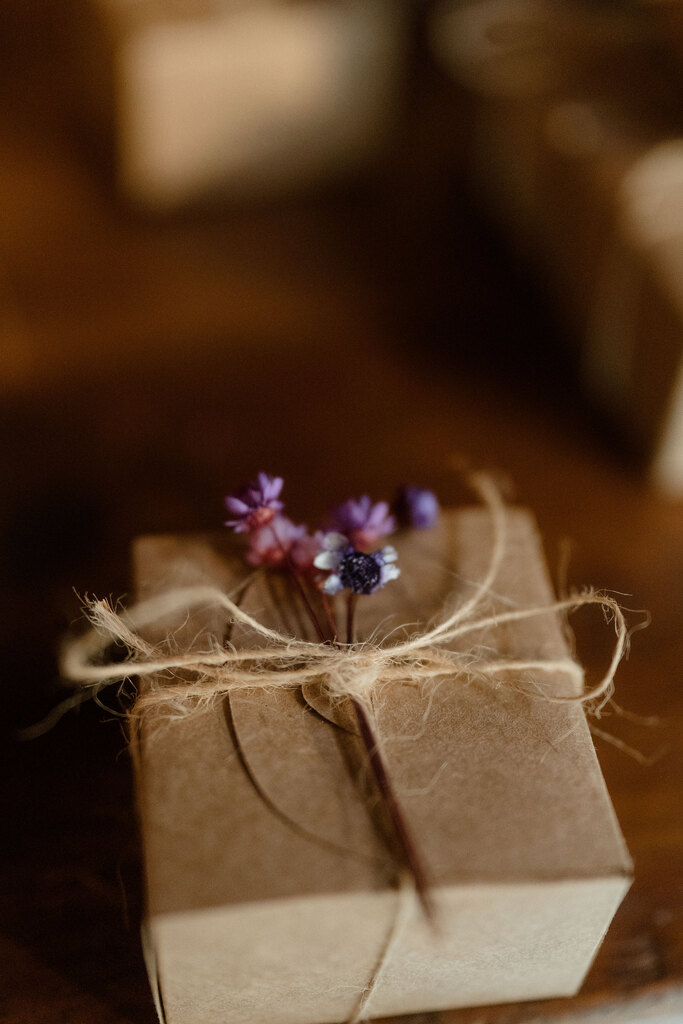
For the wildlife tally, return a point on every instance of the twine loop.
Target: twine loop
(344, 670)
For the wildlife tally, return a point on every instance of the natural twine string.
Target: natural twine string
(405, 897)
(343, 670)
(351, 670)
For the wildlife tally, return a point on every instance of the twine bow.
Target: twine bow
(344, 670)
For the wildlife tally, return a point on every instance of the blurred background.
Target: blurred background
(345, 241)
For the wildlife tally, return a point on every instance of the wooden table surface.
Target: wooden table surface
(348, 342)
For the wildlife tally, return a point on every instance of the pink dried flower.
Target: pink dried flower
(273, 544)
(305, 549)
(255, 505)
(362, 521)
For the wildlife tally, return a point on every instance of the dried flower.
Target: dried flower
(416, 507)
(355, 570)
(255, 505)
(284, 541)
(271, 545)
(362, 521)
(305, 549)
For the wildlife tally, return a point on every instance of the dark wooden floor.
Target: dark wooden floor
(349, 342)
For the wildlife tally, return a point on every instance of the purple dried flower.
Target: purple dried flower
(305, 549)
(416, 507)
(361, 521)
(255, 505)
(355, 570)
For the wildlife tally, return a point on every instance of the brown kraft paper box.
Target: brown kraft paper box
(270, 890)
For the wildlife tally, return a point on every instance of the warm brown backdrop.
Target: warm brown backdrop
(347, 341)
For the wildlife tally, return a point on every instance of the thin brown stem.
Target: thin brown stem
(350, 616)
(286, 611)
(300, 587)
(330, 616)
(406, 846)
(404, 842)
(298, 610)
(307, 603)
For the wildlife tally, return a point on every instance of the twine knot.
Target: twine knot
(352, 670)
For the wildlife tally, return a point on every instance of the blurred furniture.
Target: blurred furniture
(217, 97)
(576, 149)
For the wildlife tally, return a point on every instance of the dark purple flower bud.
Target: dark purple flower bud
(355, 570)
(416, 507)
(256, 504)
(359, 572)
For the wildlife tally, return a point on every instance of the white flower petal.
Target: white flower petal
(389, 553)
(390, 572)
(333, 584)
(327, 560)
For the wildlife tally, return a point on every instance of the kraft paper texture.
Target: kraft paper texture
(270, 881)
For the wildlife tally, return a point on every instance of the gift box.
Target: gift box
(203, 97)
(272, 892)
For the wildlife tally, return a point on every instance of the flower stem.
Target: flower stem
(404, 841)
(330, 616)
(300, 587)
(406, 846)
(350, 615)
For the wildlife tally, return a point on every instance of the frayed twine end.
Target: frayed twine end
(344, 670)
